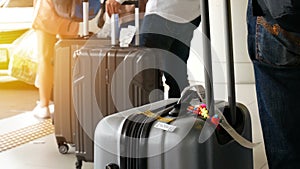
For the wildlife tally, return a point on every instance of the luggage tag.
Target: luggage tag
(165, 126)
(131, 31)
(126, 35)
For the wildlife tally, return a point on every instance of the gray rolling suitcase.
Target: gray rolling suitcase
(107, 80)
(62, 93)
(103, 84)
(148, 137)
(64, 115)
(172, 134)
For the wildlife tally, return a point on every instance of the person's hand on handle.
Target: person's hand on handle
(112, 7)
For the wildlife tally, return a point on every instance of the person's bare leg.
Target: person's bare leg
(45, 72)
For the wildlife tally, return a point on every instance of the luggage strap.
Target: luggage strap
(220, 119)
(217, 119)
(159, 118)
(235, 135)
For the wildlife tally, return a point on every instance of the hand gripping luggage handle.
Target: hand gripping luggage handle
(115, 23)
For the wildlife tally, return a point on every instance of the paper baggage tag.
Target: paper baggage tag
(165, 126)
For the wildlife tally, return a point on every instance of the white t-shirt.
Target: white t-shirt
(175, 10)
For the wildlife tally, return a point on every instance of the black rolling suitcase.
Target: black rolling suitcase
(191, 132)
(106, 80)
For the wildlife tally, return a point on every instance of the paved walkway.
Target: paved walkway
(15, 96)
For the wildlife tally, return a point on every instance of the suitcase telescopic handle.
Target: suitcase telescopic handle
(230, 61)
(231, 82)
(85, 18)
(209, 90)
(115, 23)
(229, 58)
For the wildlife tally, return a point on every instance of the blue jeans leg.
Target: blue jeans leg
(276, 61)
(278, 102)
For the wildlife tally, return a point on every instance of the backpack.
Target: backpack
(285, 12)
(73, 9)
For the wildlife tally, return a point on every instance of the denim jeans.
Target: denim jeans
(275, 54)
(158, 32)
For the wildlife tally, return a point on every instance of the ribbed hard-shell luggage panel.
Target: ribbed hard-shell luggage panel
(105, 83)
(170, 149)
(64, 116)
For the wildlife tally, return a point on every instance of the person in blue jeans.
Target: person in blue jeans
(275, 53)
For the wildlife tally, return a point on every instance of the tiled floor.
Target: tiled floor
(17, 99)
(42, 153)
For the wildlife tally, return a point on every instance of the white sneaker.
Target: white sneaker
(41, 112)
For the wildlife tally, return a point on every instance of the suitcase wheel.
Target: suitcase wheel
(63, 148)
(78, 164)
